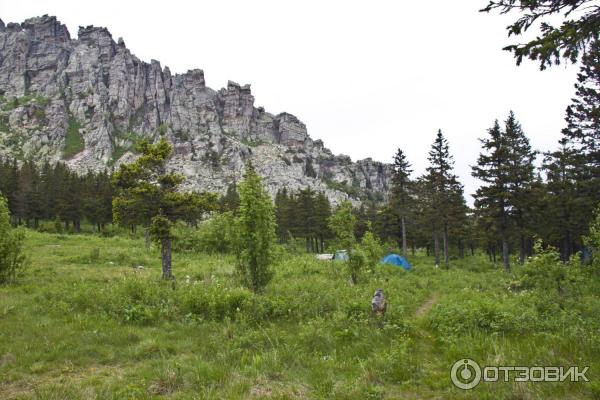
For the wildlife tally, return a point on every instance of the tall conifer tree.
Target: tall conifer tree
(492, 197)
(401, 193)
(443, 187)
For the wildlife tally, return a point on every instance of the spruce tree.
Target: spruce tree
(322, 214)
(553, 44)
(306, 217)
(231, 200)
(583, 130)
(426, 218)
(11, 189)
(492, 197)
(444, 189)
(34, 200)
(147, 194)
(49, 192)
(294, 223)
(97, 199)
(282, 215)
(386, 223)
(566, 213)
(401, 193)
(25, 176)
(61, 182)
(362, 221)
(583, 115)
(521, 180)
(255, 241)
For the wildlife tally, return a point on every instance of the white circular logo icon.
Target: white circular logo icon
(465, 374)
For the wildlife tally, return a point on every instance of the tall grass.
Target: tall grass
(74, 143)
(86, 322)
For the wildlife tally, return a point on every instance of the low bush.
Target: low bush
(213, 303)
(545, 272)
(357, 261)
(372, 248)
(468, 314)
(142, 300)
(12, 259)
(212, 236)
(55, 226)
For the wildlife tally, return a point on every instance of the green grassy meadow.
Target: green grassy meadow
(85, 323)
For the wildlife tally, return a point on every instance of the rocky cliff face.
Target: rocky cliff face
(86, 102)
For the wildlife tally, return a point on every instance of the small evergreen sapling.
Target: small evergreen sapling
(255, 233)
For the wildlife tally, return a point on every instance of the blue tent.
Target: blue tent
(396, 260)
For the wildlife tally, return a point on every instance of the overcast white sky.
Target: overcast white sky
(365, 77)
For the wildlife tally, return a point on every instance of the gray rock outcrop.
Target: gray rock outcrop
(86, 102)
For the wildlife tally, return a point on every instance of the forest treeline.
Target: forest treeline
(55, 193)
(516, 204)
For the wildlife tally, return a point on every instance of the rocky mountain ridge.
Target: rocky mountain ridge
(86, 102)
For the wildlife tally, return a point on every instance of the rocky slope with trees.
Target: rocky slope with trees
(88, 101)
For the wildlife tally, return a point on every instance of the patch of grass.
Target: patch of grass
(19, 101)
(39, 113)
(117, 153)
(253, 142)
(42, 101)
(74, 143)
(10, 104)
(82, 323)
(162, 129)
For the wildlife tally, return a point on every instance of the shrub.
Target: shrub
(213, 303)
(255, 232)
(162, 129)
(372, 248)
(357, 260)
(212, 236)
(12, 259)
(342, 223)
(145, 301)
(592, 241)
(55, 226)
(545, 272)
(464, 315)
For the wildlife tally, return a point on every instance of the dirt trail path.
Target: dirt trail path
(426, 306)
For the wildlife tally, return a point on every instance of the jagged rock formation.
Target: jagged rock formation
(86, 101)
